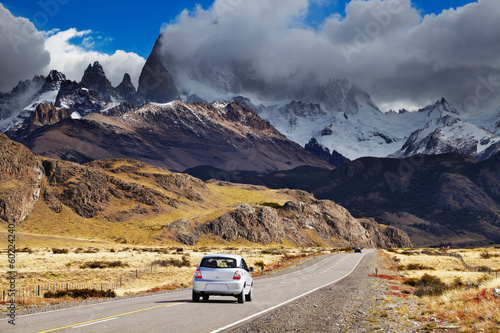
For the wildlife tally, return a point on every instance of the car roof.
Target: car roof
(222, 255)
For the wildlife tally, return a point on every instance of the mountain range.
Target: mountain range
(339, 116)
(330, 140)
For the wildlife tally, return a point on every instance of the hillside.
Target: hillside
(436, 200)
(132, 202)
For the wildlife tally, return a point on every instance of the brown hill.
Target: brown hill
(129, 201)
(174, 135)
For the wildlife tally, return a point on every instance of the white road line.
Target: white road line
(96, 322)
(290, 300)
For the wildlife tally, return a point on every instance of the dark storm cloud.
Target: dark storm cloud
(22, 50)
(403, 59)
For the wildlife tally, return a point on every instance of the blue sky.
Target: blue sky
(133, 26)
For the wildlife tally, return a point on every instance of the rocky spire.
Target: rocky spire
(95, 79)
(126, 89)
(155, 82)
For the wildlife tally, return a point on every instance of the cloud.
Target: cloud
(25, 52)
(72, 59)
(388, 48)
(22, 50)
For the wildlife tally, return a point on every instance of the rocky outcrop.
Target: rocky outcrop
(334, 158)
(319, 223)
(77, 97)
(88, 190)
(386, 236)
(95, 79)
(21, 176)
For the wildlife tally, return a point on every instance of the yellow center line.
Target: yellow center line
(115, 316)
(333, 265)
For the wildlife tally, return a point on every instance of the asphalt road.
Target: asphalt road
(175, 312)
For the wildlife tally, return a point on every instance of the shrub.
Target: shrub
(185, 262)
(427, 285)
(417, 267)
(485, 255)
(103, 264)
(260, 264)
(80, 293)
(59, 251)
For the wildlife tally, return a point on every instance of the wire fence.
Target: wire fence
(481, 269)
(40, 289)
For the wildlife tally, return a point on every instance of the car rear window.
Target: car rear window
(218, 263)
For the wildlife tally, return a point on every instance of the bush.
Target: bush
(427, 285)
(185, 262)
(103, 264)
(485, 255)
(418, 267)
(80, 293)
(59, 251)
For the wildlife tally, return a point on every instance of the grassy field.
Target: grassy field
(448, 291)
(69, 261)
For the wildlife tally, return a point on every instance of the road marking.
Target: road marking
(290, 300)
(338, 262)
(110, 317)
(96, 322)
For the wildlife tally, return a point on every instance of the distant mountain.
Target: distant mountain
(93, 94)
(18, 104)
(334, 158)
(436, 199)
(448, 133)
(339, 115)
(175, 135)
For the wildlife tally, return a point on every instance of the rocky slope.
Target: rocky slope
(444, 199)
(310, 223)
(174, 135)
(21, 175)
(131, 201)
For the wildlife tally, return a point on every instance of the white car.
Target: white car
(223, 274)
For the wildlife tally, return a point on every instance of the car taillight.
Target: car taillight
(197, 274)
(237, 275)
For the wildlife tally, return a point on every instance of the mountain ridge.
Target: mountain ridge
(129, 201)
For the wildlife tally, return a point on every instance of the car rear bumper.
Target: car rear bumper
(214, 287)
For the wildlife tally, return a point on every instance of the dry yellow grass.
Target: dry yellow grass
(473, 307)
(42, 266)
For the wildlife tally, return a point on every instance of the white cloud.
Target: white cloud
(22, 51)
(384, 46)
(72, 60)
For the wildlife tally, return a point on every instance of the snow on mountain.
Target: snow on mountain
(448, 133)
(18, 104)
(487, 120)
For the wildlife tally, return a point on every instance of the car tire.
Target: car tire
(248, 297)
(241, 296)
(205, 298)
(196, 296)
